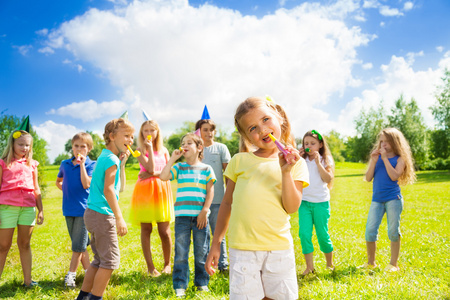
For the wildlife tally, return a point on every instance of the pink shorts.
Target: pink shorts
(18, 197)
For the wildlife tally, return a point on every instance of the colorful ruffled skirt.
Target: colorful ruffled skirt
(152, 202)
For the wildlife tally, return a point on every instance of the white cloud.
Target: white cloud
(408, 5)
(56, 135)
(23, 49)
(371, 4)
(367, 66)
(46, 50)
(42, 32)
(398, 77)
(90, 110)
(389, 12)
(440, 49)
(171, 58)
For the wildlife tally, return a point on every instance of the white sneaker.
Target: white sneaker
(69, 280)
(180, 293)
(203, 288)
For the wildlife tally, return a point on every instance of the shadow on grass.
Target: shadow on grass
(12, 288)
(351, 175)
(433, 177)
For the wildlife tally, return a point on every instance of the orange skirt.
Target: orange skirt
(152, 202)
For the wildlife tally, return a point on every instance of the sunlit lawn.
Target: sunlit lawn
(424, 261)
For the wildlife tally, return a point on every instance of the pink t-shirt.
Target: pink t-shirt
(160, 161)
(17, 185)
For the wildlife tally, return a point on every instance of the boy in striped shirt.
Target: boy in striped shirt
(194, 196)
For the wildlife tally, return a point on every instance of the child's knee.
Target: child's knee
(394, 236)
(5, 246)
(23, 244)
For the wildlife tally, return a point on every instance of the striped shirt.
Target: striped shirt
(191, 190)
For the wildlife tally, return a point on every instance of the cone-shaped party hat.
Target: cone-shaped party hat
(146, 116)
(25, 125)
(124, 115)
(205, 115)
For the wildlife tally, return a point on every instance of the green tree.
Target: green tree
(407, 118)
(336, 144)
(368, 125)
(440, 137)
(8, 124)
(174, 140)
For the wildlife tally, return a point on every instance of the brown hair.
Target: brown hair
(255, 102)
(113, 126)
(85, 138)
(199, 124)
(197, 140)
(8, 153)
(400, 147)
(157, 143)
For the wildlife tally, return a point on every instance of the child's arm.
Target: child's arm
(110, 195)
(223, 218)
(85, 178)
(394, 173)
(123, 179)
(165, 173)
(291, 191)
(37, 194)
(373, 161)
(326, 174)
(59, 182)
(147, 162)
(202, 218)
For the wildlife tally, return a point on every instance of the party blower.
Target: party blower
(279, 145)
(78, 158)
(134, 153)
(307, 150)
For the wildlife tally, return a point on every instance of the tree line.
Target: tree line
(430, 146)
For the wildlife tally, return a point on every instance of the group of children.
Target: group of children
(265, 183)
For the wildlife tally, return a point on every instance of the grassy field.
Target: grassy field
(424, 260)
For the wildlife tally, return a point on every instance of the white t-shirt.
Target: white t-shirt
(317, 191)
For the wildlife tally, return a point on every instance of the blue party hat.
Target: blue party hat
(146, 116)
(205, 115)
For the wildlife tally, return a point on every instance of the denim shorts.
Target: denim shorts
(11, 216)
(393, 210)
(78, 233)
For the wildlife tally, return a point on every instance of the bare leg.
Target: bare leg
(329, 259)
(6, 236)
(166, 243)
(75, 261)
(309, 259)
(146, 232)
(101, 281)
(23, 242)
(89, 277)
(85, 260)
(371, 249)
(395, 252)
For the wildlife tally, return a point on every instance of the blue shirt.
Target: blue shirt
(74, 194)
(97, 200)
(384, 188)
(191, 190)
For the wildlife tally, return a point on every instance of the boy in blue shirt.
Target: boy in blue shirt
(74, 179)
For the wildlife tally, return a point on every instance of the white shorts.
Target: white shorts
(259, 274)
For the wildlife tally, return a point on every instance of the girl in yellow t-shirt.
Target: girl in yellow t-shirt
(265, 186)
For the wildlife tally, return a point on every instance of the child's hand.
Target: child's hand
(40, 217)
(177, 153)
(316, 157)
(212, 261)
(301, 151)
(124, 157)
(383, 153)
(144, 175)
(287, 162)
(202, 219)
(121, 227)
(374, 154)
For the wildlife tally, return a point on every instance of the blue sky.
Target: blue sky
(74, 65)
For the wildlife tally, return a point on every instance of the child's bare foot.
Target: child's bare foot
(308, 271)
(167, 270)
(154, 273)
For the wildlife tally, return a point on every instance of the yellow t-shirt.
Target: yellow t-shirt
(258, 221)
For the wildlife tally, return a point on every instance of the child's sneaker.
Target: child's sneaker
(203, 288)
(391, 268)
(180, 293)
(33, 284)
(69, 280)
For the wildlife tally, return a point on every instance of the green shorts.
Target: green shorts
(11, 216)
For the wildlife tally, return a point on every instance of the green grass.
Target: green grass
(424, 260)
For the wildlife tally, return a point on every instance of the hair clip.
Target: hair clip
(318, 134)
(268, 98)
(17, 134)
